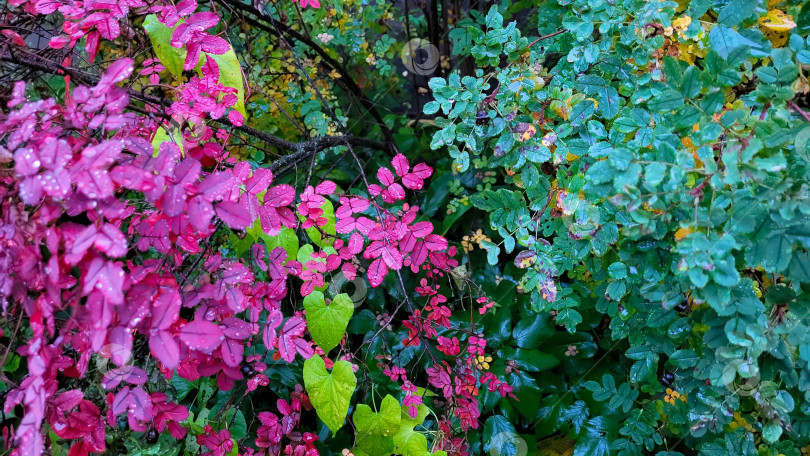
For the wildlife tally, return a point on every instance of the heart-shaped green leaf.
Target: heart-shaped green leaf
(329, 393)
(327, 323)
(375, 431)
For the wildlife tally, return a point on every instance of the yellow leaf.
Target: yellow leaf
(777, 21)
(682, 233)
(525, 131)
(557, 445)
(549, 139)
(776, 26)
(682, 23)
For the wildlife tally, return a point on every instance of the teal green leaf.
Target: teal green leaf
(736, 11)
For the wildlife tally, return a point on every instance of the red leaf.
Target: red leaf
(326, 188)
(140, 404)
(434, 242)
(201, 335)
(422, 170)
(259, 181)
(401, 165)
(121, 401)
(217, 186)
(235, 328)
(200, 212)
(232, 352)
(392, 257)
(234, 215)
(106, 24)
(165, 348)
(14, 37)
(376, 272)
(413, 181)
(203, 20)
(385, 177)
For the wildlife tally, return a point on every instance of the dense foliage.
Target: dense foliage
(572, 227)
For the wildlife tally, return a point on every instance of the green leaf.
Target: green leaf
(531, 332)
(327, 323)
(803, 19)
(800, 144)
(592, 441)
(329, 393)
(230, 75)
(736, 11)
(684, 358)
(616, 290)
(691, 84)
(315, 234)
(667, 100)
(236, 423)
(494, 19)
(376, 430)
(724, 40)
(408, 441)
(581, 112)
(530, 360)
(285, 239)
(162, 135)
(170, 57)
(501, 438)
(771, 432)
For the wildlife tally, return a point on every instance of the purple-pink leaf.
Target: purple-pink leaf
(401, 165)
(201, 335)
(326, 188)
(232, 352)
(165, 348)
(376, 272)
(234, 215)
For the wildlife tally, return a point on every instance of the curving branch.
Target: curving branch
(299, 151)
(269, 24)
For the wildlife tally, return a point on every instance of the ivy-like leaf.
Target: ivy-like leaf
(329, 393)
(327, 323)
(375, 430)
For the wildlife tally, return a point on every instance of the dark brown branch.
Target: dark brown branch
(544, 37)
(299, 151)
(269, 24)
(799, 110)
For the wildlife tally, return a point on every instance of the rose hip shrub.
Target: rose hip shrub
(160, 293)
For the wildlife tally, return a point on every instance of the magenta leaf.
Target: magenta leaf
(165, 348)
(234, 215)
(201, 335)
(401, 165)
(120, 69)
(232, 352)
(326, 188)
(434, 242)
(376, 272)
